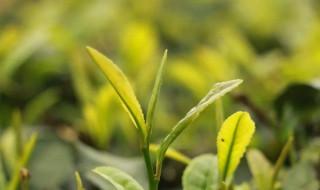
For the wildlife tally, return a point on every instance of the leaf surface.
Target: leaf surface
(123, 88)
(217, 91)
(172, 153)
(301, 177)
(233, 138)
(155, 93)
(79, 181)
(260, 168)
(119, 179)
(201, 173)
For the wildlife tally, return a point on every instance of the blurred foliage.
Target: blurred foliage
(47, 74)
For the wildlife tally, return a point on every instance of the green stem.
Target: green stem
(280, 161)
(152, 184)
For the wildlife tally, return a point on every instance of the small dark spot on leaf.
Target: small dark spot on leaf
(222, 140)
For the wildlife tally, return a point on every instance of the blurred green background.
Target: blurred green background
(46, 74)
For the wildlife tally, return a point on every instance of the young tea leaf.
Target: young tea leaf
(123, 88)
(201, 173)
(79, 181)
(217, 91)
(260, 168)
(155, 93)
(233, 138)
(172, 153)
(119, 179)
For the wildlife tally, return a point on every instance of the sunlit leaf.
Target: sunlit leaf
(155, 93)
(119, 179)
(217, 91)
(79, 181)
(122, 86)
(260, 168)
(232, 140)
(172, 153)
(201, 174)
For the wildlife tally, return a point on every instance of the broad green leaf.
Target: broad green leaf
(201, 173)
(13, 184)
(79, 181)
(123, 88)
(217, 91)
(233, 138)
(172, 153)
(91, 158)
(301, 177)
(155, 94)
(119, 179)
(260, 168)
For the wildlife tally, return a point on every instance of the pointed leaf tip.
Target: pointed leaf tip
(123, 88)
(119, 179)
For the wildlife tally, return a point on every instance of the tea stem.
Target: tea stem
(146, 156)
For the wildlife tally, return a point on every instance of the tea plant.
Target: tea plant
(234, 135)
(215, 172)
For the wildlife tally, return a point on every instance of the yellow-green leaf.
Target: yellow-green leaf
(123, 88)
(260, 168)
(119, 179)
(171, 153)
(79, 181)
(233, 138)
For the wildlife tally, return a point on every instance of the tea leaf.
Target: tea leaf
(217, 91)
(260, 168)
(172, 153)
(232, 140)
(123, 88)
(119, 179)
(155, 94)
(301, 177)
(201, 173)
(79, 182)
